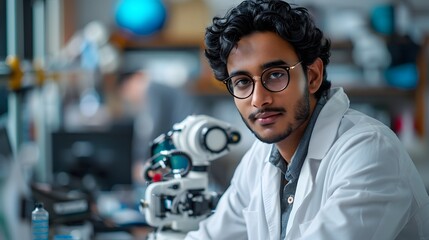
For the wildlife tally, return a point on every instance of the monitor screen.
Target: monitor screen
(92, 160)
(5, 147)
(6, 153)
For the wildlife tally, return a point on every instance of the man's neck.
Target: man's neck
(288, 146)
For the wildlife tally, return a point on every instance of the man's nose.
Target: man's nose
(261, 96)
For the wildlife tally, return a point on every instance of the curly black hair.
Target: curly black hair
(294, 24)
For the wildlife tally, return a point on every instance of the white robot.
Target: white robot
(177, 199)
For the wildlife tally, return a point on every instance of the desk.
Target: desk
(114, 233)
(135, 233)
(141, 232)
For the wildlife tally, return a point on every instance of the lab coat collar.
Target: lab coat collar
(327, 123)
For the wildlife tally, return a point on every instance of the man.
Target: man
(319, 170)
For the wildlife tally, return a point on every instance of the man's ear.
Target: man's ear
(315, 75)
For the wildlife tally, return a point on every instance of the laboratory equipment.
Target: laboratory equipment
(177, 197)
(40, 222)
(92, 160)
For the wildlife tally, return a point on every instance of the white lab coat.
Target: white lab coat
(357, 182)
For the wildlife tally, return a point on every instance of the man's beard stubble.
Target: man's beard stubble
(302, 113)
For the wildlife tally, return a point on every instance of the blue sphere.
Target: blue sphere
(141, 17)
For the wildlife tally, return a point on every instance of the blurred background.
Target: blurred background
(85, 86)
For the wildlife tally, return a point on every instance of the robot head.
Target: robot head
(199, 137)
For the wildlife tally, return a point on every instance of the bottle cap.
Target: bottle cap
(38, 205)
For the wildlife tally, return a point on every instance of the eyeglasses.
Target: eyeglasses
(274, 79)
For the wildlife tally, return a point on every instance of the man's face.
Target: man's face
(271, 116)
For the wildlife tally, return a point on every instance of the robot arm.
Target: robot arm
(180, 198)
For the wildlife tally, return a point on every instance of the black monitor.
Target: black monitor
(92, 160)
(6, 153)
(5, 146)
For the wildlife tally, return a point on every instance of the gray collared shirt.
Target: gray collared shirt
(291, 172)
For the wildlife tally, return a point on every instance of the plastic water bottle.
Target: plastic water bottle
(40, 223)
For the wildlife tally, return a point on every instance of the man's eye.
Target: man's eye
(276, 74)
(241, 82)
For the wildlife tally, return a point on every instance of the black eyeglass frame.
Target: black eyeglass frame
(284, 67)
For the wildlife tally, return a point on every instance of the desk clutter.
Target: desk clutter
(77, 215)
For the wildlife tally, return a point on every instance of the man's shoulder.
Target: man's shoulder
(355, 122)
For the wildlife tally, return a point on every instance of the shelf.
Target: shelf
(159, 40)
(380, 92)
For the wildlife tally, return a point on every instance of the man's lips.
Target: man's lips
(267, 118)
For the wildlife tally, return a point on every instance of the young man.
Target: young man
(319, 170)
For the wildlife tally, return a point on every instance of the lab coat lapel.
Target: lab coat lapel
(323, 136)
(270, 197)
(327, 124)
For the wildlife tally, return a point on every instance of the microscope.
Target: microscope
(177, 196)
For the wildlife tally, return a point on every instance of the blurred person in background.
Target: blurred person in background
(151, 108)
(318, 169)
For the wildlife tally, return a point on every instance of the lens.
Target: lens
(275, 79)
(240, 86)
(172, 163)
(161, 143)
(179, 162)
(214, 139)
